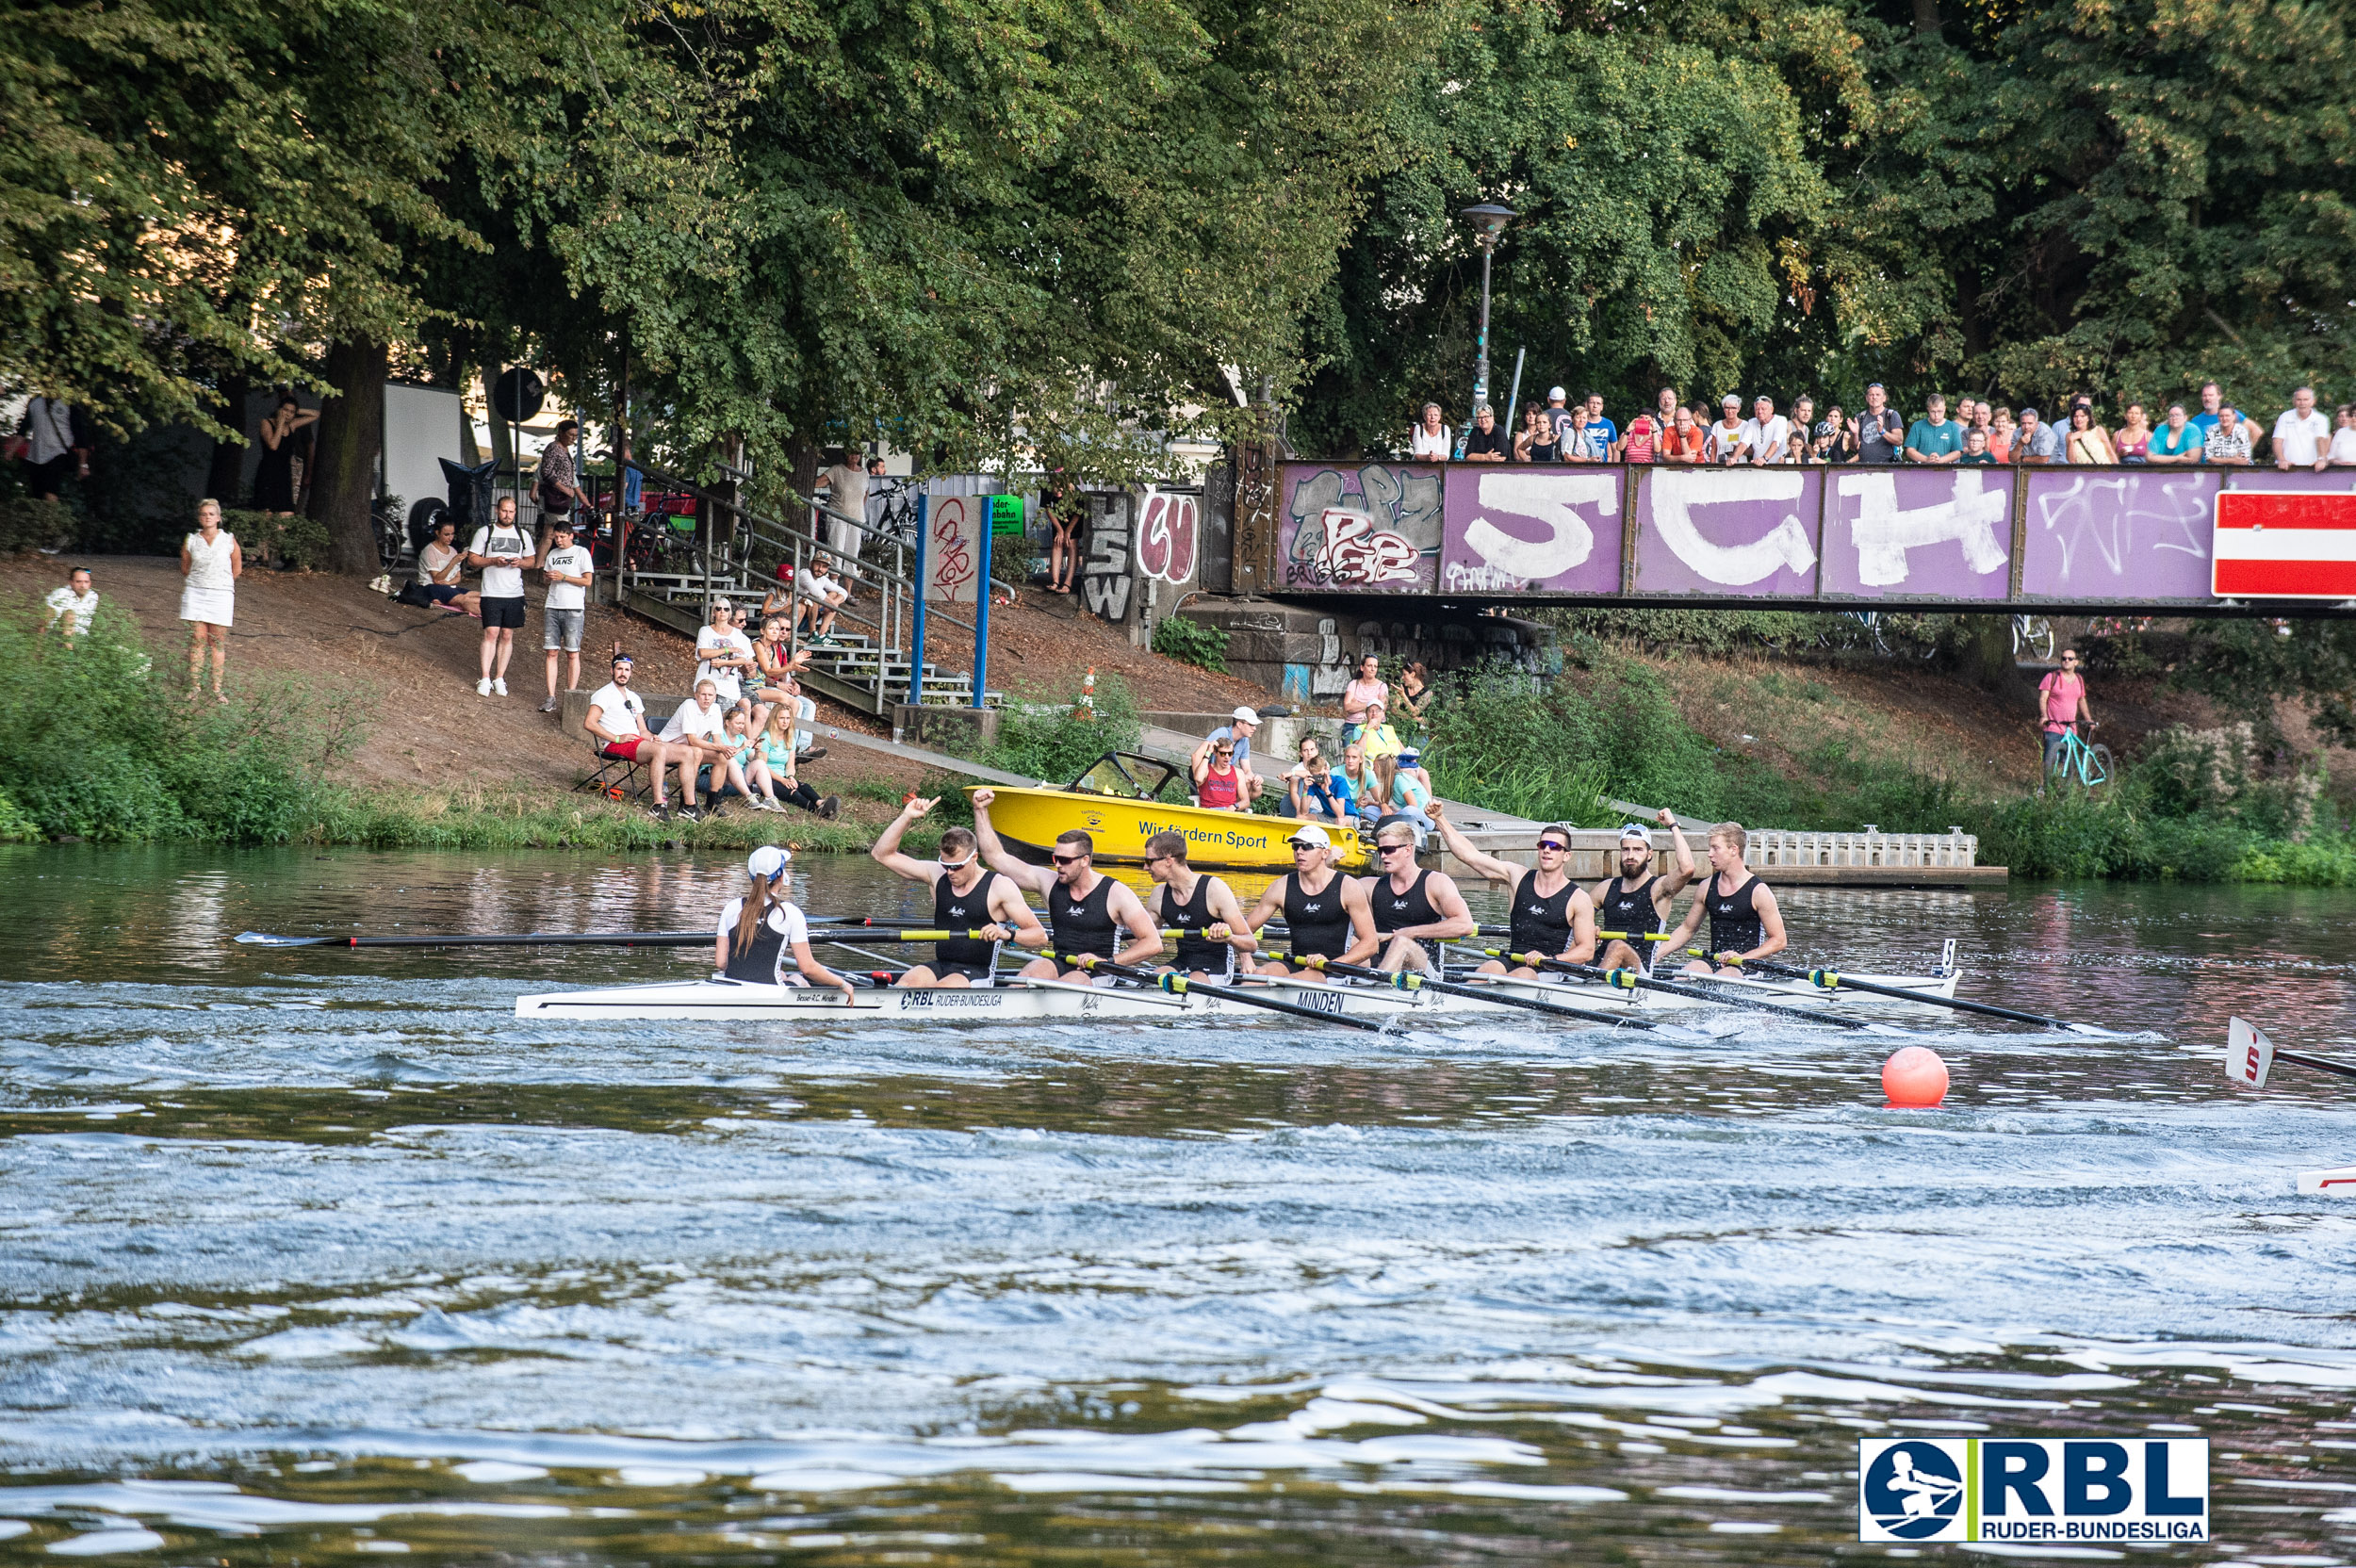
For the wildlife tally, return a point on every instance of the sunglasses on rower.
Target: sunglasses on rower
(1555, 845)
(1066, 859)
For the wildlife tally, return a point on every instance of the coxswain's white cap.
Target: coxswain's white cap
(1311, 835)
(1246, 715)
(768, 861)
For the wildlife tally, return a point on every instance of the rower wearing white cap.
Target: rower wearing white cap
(1237, 731)
(1552, 915)
(1637, 900)
(759, 928)
(1326, 914)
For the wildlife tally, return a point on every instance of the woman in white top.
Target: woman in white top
(1432, 440)
(2342, 453)
(759, 929)
(212, 562)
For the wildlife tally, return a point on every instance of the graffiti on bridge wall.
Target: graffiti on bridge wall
(1376, 527)
(1106, 586)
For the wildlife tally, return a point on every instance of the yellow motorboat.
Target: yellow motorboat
(1126, 799)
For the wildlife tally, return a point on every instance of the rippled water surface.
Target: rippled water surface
(321, 1256)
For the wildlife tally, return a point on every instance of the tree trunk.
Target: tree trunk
(350, 432)
(224, 482)
(1983, 653)
(1926, 17)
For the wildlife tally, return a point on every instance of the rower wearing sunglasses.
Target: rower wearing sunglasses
(1552, 916)
(1414, 910)
(1326, 914)
(1638, 900)
(967, 896)
(1088, 912)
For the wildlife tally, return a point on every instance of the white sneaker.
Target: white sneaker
(499, 688)
(482, 687)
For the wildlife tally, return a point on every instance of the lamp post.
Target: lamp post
(1488, 220)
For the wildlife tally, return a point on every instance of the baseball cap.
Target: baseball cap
(1245, 715)
(1311, 835)
(1555, 392)
(767, 862)
(1636, 830)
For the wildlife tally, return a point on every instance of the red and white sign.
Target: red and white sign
(2284, 547)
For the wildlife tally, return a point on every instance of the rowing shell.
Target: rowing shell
(1052, 999)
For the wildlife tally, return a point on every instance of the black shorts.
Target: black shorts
(441, 593)
(974, 973)
(503, 614)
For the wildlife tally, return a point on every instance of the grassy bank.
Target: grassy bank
(2215, 805)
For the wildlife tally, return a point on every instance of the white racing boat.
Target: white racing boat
(1058, 999)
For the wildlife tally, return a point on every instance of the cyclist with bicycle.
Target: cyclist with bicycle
(2061, 706)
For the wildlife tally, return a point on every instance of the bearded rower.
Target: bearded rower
(1552, 915)
(1193, 902)
(1326, 914)
(1744, 920)
(1638, 900)
(1087, 911)
(1414, 909)
(967, 896)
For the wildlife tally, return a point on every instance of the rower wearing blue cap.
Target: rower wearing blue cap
(1638, 900)
(760, 926)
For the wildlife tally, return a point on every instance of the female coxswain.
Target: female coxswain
(757, 928)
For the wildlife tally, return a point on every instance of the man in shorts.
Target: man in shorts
(567, 567)
(617, 723)
(502, 552)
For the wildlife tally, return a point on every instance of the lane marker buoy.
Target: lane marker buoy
(1915, 1078)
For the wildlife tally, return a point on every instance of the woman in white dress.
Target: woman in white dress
(212, 561)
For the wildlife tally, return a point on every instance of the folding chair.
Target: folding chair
(616, 778)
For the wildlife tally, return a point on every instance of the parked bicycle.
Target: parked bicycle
(2033, 635)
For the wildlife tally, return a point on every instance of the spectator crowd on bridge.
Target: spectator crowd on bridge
(1974, 429)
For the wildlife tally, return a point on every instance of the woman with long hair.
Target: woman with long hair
(2088, 442)
(776, 760)
(2132, 442)
(274, 480)
(211, 561)
(760, 926)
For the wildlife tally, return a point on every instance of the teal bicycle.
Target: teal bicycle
(2090, 764)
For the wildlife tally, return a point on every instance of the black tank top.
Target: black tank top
(1734, 924)
(1629, 908)
(964, 911)
(1541, 925)
(1396, 911)
(757, 963)
(1195, 913)
(1084, 924)
(1543, 452)
(1316, 921)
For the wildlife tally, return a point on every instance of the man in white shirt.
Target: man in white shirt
(567, 567)
(1764, 432)
(701, 727)
(502, 552)
(845, 485)
(2303, 436)
(822, 593)
(1432, 440)
(617, 723)
(71, 605)
(725, 655)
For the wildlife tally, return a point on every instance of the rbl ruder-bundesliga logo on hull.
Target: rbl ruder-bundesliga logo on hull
(2052, 1490)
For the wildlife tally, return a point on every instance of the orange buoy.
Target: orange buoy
(1915, 1078)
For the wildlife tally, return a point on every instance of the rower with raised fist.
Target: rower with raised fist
(761, 926)
(1215, 940)
(967, 896)
(1552, 916)
(1744, 922)
(1088, 912)
(1639, 899)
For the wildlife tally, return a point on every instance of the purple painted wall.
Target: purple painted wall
(1904, 534)
(1514, 527)
(1727, 531)
(1372, 526)
(2129, 533)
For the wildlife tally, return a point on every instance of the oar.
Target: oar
(818, 932)
(1178, 985)
(1628, 979)
(1834, 980)
(1408, 980)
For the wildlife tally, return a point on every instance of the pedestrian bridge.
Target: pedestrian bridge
(1984, 538)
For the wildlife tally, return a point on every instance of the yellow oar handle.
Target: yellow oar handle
(1633, 935)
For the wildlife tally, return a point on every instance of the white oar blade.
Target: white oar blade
(2248, 1055)
(2339, 1183)
(264, 939)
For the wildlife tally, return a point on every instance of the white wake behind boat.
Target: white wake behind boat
(1051, 1001)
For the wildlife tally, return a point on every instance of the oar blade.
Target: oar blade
(269, 939)
(2248, 1055)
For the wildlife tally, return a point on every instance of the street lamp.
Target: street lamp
(1488, 220)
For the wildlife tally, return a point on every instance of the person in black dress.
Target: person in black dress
(273, 480)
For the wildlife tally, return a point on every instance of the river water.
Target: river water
(321, 1256)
